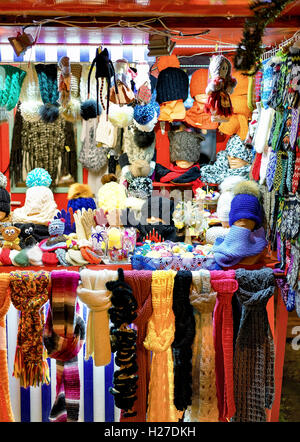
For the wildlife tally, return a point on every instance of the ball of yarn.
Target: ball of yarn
(38, 177)
(88, 109)
(49, 112)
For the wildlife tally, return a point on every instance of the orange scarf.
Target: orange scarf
(160, 335)
(6, 414)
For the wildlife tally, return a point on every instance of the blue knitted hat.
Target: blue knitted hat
(246, 207)
(80, 203)
(145, 116)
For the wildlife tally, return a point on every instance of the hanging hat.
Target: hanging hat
(135, 152)
(172, 84)
(11, 86)
(245, 204)
(30, 96)
(185, 146)
(143, 139)
(145, 116)
(167, 61)
(47, 75)
(120, 116)
(237, 149)
(198, 82)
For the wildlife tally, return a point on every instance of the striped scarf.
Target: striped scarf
(63, 337)
(254, 350)
(29, 292)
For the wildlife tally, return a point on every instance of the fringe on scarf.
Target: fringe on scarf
(31, 374)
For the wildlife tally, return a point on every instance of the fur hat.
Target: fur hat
(224, 201)
(172, 84)
(246, 204)
(88, 109)
(78, 190)
(143, 139)
(185, 146)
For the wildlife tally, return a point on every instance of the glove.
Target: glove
(100, 217)
(79, 227)
(87, 220)
(69, 220)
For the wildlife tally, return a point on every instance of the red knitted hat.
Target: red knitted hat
(4, 257)
(49, 259)
(167, 61)
(198, 82)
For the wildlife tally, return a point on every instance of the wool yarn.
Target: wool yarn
(159, 338)
(63, 337)
(183, 340)
(204, 406)
(29, 292)
(224, 283)
(92, 292)
(140, 282)
(123, 341)
(6, 413)
(254, 387)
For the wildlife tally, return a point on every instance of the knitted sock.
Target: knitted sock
(6, 413)
(254, 353)
(225, 285)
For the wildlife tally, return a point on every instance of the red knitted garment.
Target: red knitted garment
(140, 282)
(224, 283)
(255, 169)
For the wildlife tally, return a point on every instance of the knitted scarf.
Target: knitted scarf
(176, 174)
(29, 292)
(204, 406)
(140, 282)
(160, 335)
(254, 352)
(238, 244)
(64, 334)
(93, 293)
(10, 93)
(6, 413)
(225, 285)
(183, 340)
(123, 342)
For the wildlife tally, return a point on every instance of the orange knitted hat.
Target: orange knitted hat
(198, 82)
(167, 61)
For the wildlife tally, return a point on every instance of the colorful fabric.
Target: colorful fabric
(29, 292)
(63, 336)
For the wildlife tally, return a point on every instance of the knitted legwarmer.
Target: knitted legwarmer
(6, 413)
(29, 292)
(225, 285)
(64, 334)
(123, 342)
(93, 292)
(204, 406)
(254, 352)
(183, 340)
(140, 282)
(160, 335)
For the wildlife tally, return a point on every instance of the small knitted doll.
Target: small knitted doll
(219, 88)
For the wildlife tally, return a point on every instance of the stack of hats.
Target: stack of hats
(171, 88)
(195, 116)
(80, 196)
(39, 206)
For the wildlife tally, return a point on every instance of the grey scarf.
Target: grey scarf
(254, 351)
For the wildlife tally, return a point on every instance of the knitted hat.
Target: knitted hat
(140, 187)
(80, 196)
(49, 259)
(47, 75)
(38, 177)
(35, 255)
(111, 196)
(120, 116)
(172, 84)
(224, 201)
(30, 96)
(185, 146)
(167, 61)
(4, 195)
(145, 116)
(198, 82)
(39, 207)
(135, 152)
(236, 148)
(245, 204)
(11, 86)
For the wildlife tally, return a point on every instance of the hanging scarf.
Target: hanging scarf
(160, 335)
(93, 293)
(64, 334)
(183, 340)
(123, 340)
(225, 285)
(140, 282)
(238, 244)
(6, 413)
(254, 352)
(29, 292)
(204, 406)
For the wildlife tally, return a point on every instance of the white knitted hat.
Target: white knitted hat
(34, 255)
(39, 206)
(224, 201)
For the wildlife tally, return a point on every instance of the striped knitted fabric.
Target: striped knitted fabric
(296, 175)
(225, 285)
(140, 282)
(6, 413)
(204, 406)
(254, 352)
(29, 292)
(64, 334)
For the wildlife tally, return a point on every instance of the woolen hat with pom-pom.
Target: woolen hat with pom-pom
(224, 201)
(245, 204)
(80, 196)
(143, 139)
(145, 116)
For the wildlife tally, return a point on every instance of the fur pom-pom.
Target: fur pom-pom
(248, 187)
(30, 110)
(49, 112)
(120, 116)
(88, 109)
(108, 177)
(229, 183)
(71, 112)
(78, 190)
(143, 139)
